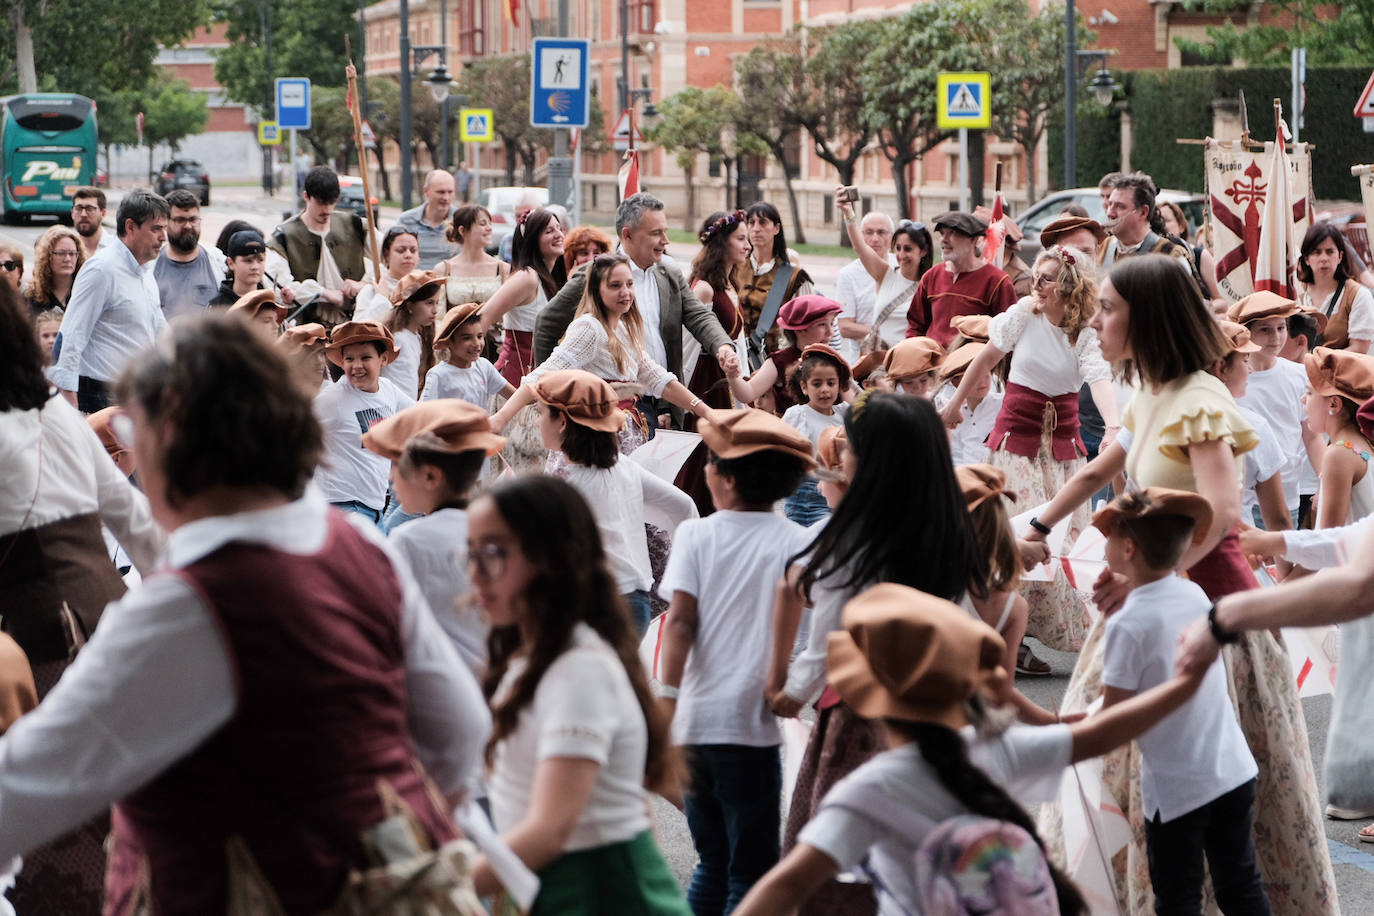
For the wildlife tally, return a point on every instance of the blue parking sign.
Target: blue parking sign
(560, 91)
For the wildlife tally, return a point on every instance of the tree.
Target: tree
(1333, 34)
(172, 111)
(93, 47)
(115, 124)
(1027, 75)
(694, 121)
(307, 40)
(503, 85)
(771, 82)
(331, 126)
(833, 114)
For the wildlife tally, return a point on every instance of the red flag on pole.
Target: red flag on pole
(629, 174)
(1274, 261)
(512, 11)
(997, 232)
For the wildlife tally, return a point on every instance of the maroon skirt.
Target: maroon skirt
(1224, 570)
(517, 356)
(1027, 414)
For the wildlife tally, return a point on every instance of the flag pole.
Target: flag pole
(352, 73)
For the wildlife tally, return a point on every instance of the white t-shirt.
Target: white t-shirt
(1276, 394)
(584, 707)
(404, 370)
(476, 384)
(1261, 462)
(968, 442)
(349, 471)
(810, 422)
(1197, 753)
(617, 496)
(431, 544)
(1025, 760)
(730, 562)
(1044, 361)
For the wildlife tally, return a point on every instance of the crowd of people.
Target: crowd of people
(309, 562)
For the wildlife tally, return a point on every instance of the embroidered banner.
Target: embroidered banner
(1238, 183)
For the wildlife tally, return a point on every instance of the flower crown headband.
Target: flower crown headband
(725, 222)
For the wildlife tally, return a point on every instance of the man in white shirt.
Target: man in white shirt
(429, 221)
(88, 214)
(666, 303)
(855, 290)
(115, 311)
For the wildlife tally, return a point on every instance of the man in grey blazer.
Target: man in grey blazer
(661, 292)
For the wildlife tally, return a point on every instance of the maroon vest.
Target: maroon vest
(315, 642)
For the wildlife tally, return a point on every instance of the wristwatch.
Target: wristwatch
(1221, 636)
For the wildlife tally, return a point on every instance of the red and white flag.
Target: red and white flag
(997, 231)
(1275, 257)
(629, 174)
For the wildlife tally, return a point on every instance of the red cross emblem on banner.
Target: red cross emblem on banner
(1249, 194)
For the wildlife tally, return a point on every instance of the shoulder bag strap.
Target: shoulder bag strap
(772, 305)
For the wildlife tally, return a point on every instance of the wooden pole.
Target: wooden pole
(997, 177)
(352, 73)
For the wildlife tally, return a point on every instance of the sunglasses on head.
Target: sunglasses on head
(910, 224)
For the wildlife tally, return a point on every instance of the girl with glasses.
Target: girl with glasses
(57, 258)
(577, 741)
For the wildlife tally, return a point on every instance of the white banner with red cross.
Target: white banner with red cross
(1239, 190)
(1366, 175)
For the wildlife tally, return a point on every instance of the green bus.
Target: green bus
(48, 144)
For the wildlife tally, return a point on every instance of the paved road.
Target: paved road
(1354, 860)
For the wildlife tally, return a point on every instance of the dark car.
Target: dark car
(188, 174)
(351, 197)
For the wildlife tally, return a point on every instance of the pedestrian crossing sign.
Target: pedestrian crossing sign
(963, 100)
(475, 125)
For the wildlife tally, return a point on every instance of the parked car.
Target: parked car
(102, 178)
(189, 174)
(500, 202)
(351, 197)
(1047, 210)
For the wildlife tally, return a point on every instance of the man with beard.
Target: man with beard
(963, 283)
(88, 210)
(188, 273)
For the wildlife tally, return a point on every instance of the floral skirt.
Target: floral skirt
(1289, 833)
(1059, 614)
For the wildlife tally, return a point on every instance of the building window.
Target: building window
(641, 17)
(713, 167)
(792, 155)
(472, 29)
(1193, 59)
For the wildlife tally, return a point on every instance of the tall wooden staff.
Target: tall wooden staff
(353, 108)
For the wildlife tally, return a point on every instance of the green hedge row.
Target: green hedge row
(1166, 104)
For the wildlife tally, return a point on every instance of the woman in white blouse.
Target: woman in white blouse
(577, 742)
(1035, 439)
(607, 339)
(913, 247)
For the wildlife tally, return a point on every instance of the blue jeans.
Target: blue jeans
(360, 508)
(733, 807)
(641, 609)
(1220, 830)
(806, 506)
(394, 514)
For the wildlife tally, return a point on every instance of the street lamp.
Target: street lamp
(412, 56)
(1102, 86)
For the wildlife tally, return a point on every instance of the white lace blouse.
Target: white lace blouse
(585, 345)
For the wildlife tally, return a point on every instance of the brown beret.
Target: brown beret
(447, 425)
(981, 482)
(586, 399)
(1156, 501)
(1239, 337)
(912, 357)
(744, 432)
(840, 365)
(249, 304)
(1067, 225)
(356, 332)
(867, 363)
(1341, 372)
(302, 337)
(1262, 304)
(907, 655)
(453, 319)
(974, 327)
(415, 284)
(953, 366)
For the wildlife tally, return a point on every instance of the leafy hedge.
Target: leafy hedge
(1166, 104)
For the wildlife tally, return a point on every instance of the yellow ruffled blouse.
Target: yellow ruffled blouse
(1196, 408)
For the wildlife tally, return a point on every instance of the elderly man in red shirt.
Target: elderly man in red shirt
(963, 283)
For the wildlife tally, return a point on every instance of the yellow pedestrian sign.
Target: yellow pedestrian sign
(963, 100)
(475, 125)
(269, 134)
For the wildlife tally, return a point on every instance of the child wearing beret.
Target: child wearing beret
(719, 583)
(436, 450)
(349, 476)
(414, 306)
(921, 668)
(1339, 381)
(804, 321)
(463, 372)
(582, 419)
